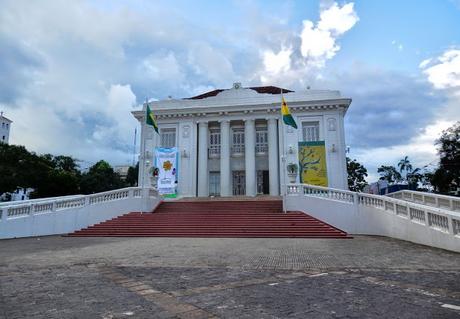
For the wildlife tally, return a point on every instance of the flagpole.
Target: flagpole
(283, 157)
(143, 132)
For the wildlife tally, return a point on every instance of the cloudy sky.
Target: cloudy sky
(71, 71)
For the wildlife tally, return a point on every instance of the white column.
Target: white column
(273, 157)
(250, 156)
(225, 184)
(203, 188)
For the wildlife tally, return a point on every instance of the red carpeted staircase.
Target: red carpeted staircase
(215, 218)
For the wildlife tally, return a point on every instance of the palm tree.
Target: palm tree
(405, 165)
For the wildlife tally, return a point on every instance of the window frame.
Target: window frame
(166, 128)
(261, 146)
(215, 142)
(310, 119)
(238, 149)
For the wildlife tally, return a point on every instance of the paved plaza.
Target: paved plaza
(364, 277)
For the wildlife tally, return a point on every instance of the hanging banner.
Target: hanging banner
(312, 163)
(166, 162)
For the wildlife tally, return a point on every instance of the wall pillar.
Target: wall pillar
(225, 183)
(203, 187)
(250, 156)
(273, 157)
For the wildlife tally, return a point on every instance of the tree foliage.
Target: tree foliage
(52, 176)
(356, 175)
(446, 178)
(390, 174)
(99, 178)
(132, 176)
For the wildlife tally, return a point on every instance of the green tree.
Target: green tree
(18, 167)
(405, 166)
(132, 176)
(446, 179)
(99, 178)
(48, 175)
(389, 173)
(356, 175)
(58, 176)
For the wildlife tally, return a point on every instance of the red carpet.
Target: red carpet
(245, 219)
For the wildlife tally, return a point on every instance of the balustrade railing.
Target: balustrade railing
(437, 218)
(430, 199)
(39, 206)
(318, 191)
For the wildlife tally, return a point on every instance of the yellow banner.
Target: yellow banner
(312, 163)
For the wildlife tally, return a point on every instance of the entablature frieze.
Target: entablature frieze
(250, 111)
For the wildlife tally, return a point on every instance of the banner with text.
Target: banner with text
(312, 163)
(166, 161)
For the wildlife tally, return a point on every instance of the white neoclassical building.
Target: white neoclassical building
(233, 141)
(5, 125)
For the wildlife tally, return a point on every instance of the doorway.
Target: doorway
(239, 183)
(263, 185)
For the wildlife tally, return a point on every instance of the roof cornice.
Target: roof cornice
(269, 108)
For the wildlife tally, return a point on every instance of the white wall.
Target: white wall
(356, 218)
(69, 219)
(331, 134)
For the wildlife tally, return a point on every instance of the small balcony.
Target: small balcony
(238, 150)
(214, 152)
(261, 149)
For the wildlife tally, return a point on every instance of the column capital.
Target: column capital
(202, 122)
(224, 121)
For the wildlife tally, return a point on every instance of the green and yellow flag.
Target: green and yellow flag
(287, 117)
(151, 119)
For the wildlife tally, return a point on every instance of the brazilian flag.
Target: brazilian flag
(151, 119)
(287, 117)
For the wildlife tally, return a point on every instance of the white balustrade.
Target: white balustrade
(319, 191)
(430, 199)
(410, 207)
(28, 207)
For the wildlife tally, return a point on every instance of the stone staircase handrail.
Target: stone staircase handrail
(430, 199)
(435, 218)
(30, 207)
(36, 200)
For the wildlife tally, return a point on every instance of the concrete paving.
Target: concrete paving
(371, 277)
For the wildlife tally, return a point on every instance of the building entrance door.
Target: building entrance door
(239, 183)
(263, 186)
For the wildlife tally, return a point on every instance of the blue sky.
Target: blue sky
(80, 67)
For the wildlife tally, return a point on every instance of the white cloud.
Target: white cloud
(162, 67)
(210, 63)
(277, 62)
(338, 20)
(297, 61)
(444, 71)
(319, 43)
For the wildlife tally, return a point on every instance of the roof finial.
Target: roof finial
(237, 85)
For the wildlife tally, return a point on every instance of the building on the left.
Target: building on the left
(5, 126)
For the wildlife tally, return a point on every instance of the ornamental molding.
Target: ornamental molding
(247, 110)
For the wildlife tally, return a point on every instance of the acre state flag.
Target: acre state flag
(287, 117)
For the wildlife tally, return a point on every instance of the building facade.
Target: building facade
(233, 142)
(5, 125)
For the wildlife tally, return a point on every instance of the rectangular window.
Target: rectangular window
(168, 137)
(261, 140)
(214, 183)
(214, 142)
(310, 131)
(237, 141)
